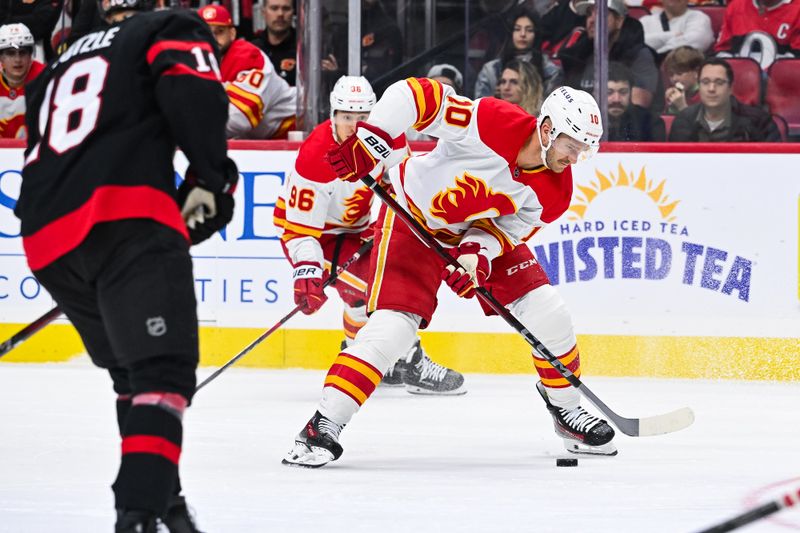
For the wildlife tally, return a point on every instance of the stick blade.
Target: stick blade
(667, 423)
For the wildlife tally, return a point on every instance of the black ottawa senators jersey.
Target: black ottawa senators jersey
(104, 120)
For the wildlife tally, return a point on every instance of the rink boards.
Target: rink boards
(676, 262)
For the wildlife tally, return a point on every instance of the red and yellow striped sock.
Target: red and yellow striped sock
(354, 377)
(550, 376)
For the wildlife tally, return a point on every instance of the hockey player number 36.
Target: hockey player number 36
(72, 99)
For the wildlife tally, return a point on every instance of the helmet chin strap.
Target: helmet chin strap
(542, 147)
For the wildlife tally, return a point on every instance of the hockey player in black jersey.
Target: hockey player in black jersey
(107, 234)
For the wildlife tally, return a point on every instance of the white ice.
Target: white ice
(484, 462)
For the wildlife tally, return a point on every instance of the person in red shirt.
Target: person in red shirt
(19, 68)
(262, 104)
(778, 18)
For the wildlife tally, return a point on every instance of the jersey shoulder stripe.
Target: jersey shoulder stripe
(178, 46)
(427, 99)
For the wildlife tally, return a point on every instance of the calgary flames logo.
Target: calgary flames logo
(357, 205)
(471, 198)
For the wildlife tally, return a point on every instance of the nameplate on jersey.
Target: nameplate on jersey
(89, 43)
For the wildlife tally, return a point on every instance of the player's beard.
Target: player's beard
(553, 163)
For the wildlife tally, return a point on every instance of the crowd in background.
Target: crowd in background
(677, 71)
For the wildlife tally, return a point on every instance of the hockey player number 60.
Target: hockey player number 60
(75, 105)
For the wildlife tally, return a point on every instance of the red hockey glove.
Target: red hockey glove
(360, 153)
(308, 293)
(473, 272)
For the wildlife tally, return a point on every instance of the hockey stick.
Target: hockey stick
(635, 427)
(23, 334)
(333, 277)
(787, 500)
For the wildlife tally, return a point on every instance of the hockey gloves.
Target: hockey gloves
(473, 271)
(308, 293)
(207, 208)
(360, 153)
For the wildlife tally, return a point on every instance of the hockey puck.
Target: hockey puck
(566, 462)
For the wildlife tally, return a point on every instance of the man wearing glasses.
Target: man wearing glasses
(720, 117)
(19, 68)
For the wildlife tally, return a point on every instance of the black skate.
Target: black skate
(132, 521)
(582, 433)
(178, 518)
(316, 445)
(394, 376)
(423, 376)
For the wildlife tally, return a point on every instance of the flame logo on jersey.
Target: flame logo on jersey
(357, 206)
(470, 199)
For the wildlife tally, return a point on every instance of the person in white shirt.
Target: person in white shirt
(675, 26)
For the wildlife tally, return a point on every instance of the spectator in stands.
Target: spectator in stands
(558, 22)
(523, 45)
(381, 45)
(675, 26)
(520, 84)
(39, 16)
(19, 69)
(279, 40)
(778, 18)
(626, 46)
(448, 75)
(682, 67)
(719, 117)
(626, 120)
(262, 104)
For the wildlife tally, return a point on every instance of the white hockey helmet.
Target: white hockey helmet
(15, 36)
(575, 114)
(352, 93)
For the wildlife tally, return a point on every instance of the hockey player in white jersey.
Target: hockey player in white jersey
(322, 221)
(496, 176)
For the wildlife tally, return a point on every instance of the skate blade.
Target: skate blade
(304, 456)
(578, 448)
(411, 389)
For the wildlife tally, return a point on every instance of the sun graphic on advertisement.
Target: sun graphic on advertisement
(585, 195)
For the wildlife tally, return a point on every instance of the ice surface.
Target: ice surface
(484, 462)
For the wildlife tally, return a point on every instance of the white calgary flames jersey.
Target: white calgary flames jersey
(12, 106)
(469, 187)
(315, 202)
(262, 104)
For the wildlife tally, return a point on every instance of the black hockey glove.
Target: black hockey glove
(206, 212)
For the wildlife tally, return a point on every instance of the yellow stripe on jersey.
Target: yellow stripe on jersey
(428, 99)
(300, 229)
(248, 103)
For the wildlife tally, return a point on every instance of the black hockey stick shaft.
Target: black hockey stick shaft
(26, 332)
(629, 426)
(762, 511)
(332, 278)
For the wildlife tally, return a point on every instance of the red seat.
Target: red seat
(746, 80)
(716, 14)
(783, 127)
(783, 88)
(638, 12)
(667, 123)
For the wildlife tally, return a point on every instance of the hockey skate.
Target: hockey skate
(423, 376)
(582, 433)
(178, 518)
(316, 445)
(133, 521)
